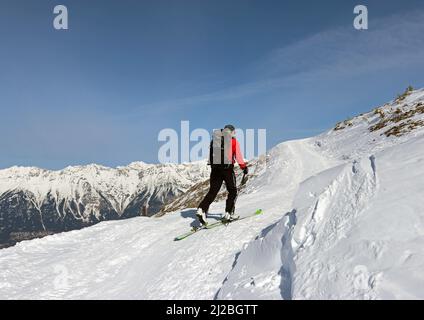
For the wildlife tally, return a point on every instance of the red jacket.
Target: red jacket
(236, 154)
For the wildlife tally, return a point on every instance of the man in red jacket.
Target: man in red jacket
(224, 152)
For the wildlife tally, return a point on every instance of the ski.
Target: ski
(191, 232)
(215, 224)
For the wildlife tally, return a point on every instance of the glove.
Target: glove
(246, 170)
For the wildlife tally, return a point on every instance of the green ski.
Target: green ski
(188, 234)
(214, 225)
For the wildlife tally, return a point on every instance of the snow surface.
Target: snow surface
(343, 220)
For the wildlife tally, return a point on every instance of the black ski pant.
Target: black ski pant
(219, 175)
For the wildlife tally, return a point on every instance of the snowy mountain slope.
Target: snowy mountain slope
(385, 126)
(33, 199)
(356, 230)
(356, 233)
(367, 222)
(343, 220)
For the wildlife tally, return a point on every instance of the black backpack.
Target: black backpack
(220, 152)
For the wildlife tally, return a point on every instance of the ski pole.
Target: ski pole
(242, 183)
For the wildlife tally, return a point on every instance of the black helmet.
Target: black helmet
(230, 127)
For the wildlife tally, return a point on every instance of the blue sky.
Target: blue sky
(101, 91)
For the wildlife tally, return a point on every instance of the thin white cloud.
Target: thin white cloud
(391, 42)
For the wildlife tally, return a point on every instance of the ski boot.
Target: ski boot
(229, 217)
(201, 215)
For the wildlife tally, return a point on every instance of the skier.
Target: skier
(224, 152)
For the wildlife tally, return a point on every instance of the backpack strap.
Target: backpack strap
(222, 151)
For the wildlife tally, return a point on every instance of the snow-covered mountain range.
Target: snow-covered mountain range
(34, 201)
(343, 219)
